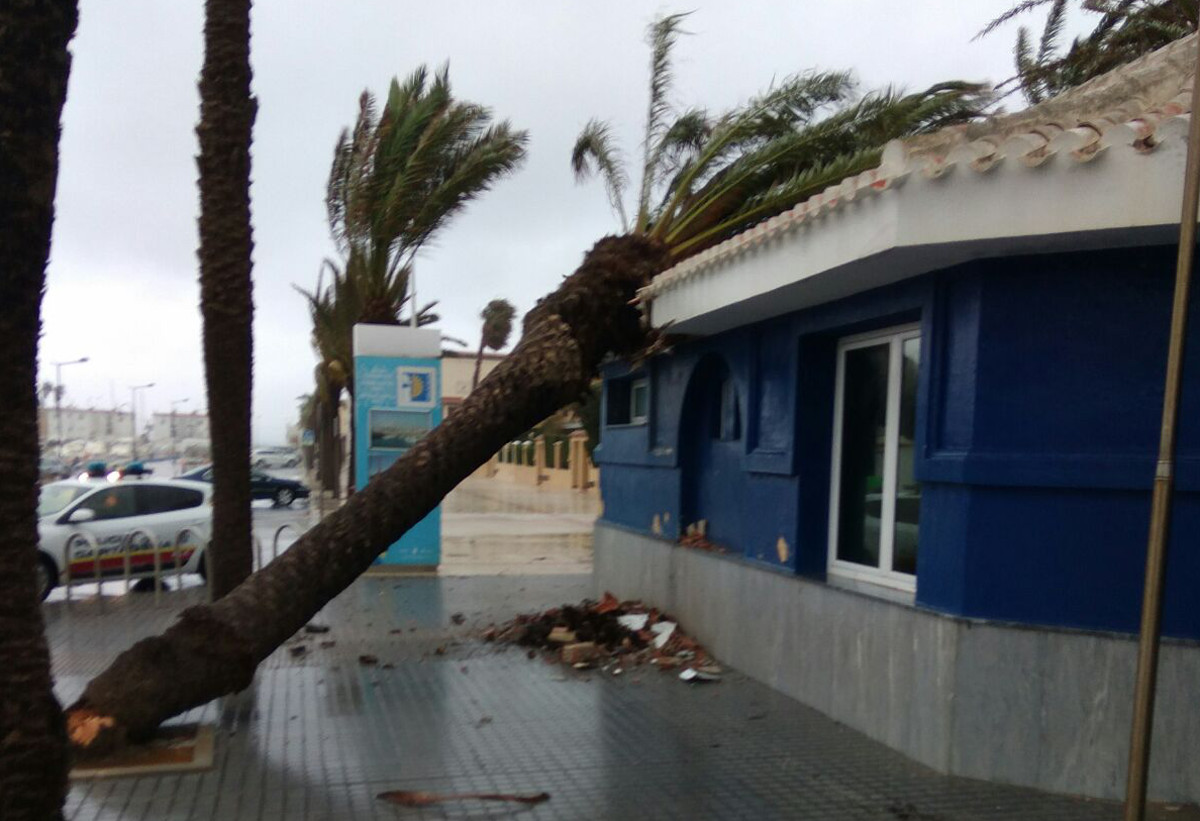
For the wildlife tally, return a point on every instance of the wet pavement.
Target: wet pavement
(319, 733)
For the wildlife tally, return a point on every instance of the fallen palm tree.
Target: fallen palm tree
(214, 649)
(711, 176)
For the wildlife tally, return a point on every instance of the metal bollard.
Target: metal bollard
(275, 541)
(258, 551)
(96, 572)
(127, 571)
(67, 555)
(182, 538)
(132, 539)
(91, 542)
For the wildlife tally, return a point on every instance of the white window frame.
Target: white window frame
(644, 384)
(894, 337)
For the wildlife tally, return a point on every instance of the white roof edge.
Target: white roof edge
(1137, 112)
(935, 219)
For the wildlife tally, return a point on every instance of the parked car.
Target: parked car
(282, 492)
(82, 523)
(270, 458)
(51, 467)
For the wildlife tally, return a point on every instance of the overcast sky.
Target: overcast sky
(122, 287)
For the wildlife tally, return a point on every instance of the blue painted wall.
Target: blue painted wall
(1038, 413)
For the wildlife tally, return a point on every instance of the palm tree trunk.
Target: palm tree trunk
(34, 65)
(214, 649)
(226, 301)
(330, 452)
(478, 366)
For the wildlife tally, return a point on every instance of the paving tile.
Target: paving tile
(318, 736)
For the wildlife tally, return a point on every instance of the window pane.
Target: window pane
(640, 397)
(160, 499)
(111, 503)
(617, 401)
(864, 415)
(908, 490)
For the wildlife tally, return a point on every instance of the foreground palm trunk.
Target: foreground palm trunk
(34, 64)
(226, 118)
(214, 649)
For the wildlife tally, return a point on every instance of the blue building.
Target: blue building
(917, 416)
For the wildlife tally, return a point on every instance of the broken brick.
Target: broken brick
(582, 652)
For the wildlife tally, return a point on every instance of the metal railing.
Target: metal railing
(183, 539)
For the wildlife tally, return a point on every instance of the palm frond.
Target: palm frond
(1020, 8)
(662, 36)
(1052, 31)
(596, 152)
(1029, 71)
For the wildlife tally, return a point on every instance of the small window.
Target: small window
(639, 402)
(627, 401)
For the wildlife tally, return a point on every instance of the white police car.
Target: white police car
(85, 525)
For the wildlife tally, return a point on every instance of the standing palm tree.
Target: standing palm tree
(497, 319)
(713, 176)
(1126, 30)
(397, 178)
(227, 114)
(34, 64)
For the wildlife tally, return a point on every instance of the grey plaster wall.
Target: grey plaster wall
(1040, 707)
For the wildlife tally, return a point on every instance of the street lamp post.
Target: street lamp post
(133, 389)
(58, 393)
(175, 455)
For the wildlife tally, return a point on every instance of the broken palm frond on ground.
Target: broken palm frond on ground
(417, 798)
(610, 635)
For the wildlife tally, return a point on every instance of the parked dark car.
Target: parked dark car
(282, 492)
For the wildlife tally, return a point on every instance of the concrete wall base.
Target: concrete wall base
(1040, 707)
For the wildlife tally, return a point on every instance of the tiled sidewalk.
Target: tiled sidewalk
(318, 736)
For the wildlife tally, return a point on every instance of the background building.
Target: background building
(86, 432)
(177, 434)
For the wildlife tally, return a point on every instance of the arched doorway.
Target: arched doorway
(711, 429)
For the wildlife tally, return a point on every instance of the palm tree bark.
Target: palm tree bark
(214, 649)
(34, 65)
(227, 114)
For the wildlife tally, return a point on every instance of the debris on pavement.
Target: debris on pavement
(298, 650)
(313, 627)
(417, 798)
(699, 674)
(458, 618)
(367, 660)
(608, 634)
(561, 635)
(634, 621)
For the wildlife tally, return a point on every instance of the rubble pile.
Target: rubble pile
(610, 635)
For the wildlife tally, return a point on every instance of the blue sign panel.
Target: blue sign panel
(397, 400)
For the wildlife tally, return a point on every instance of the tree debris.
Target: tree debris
(610, 634)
